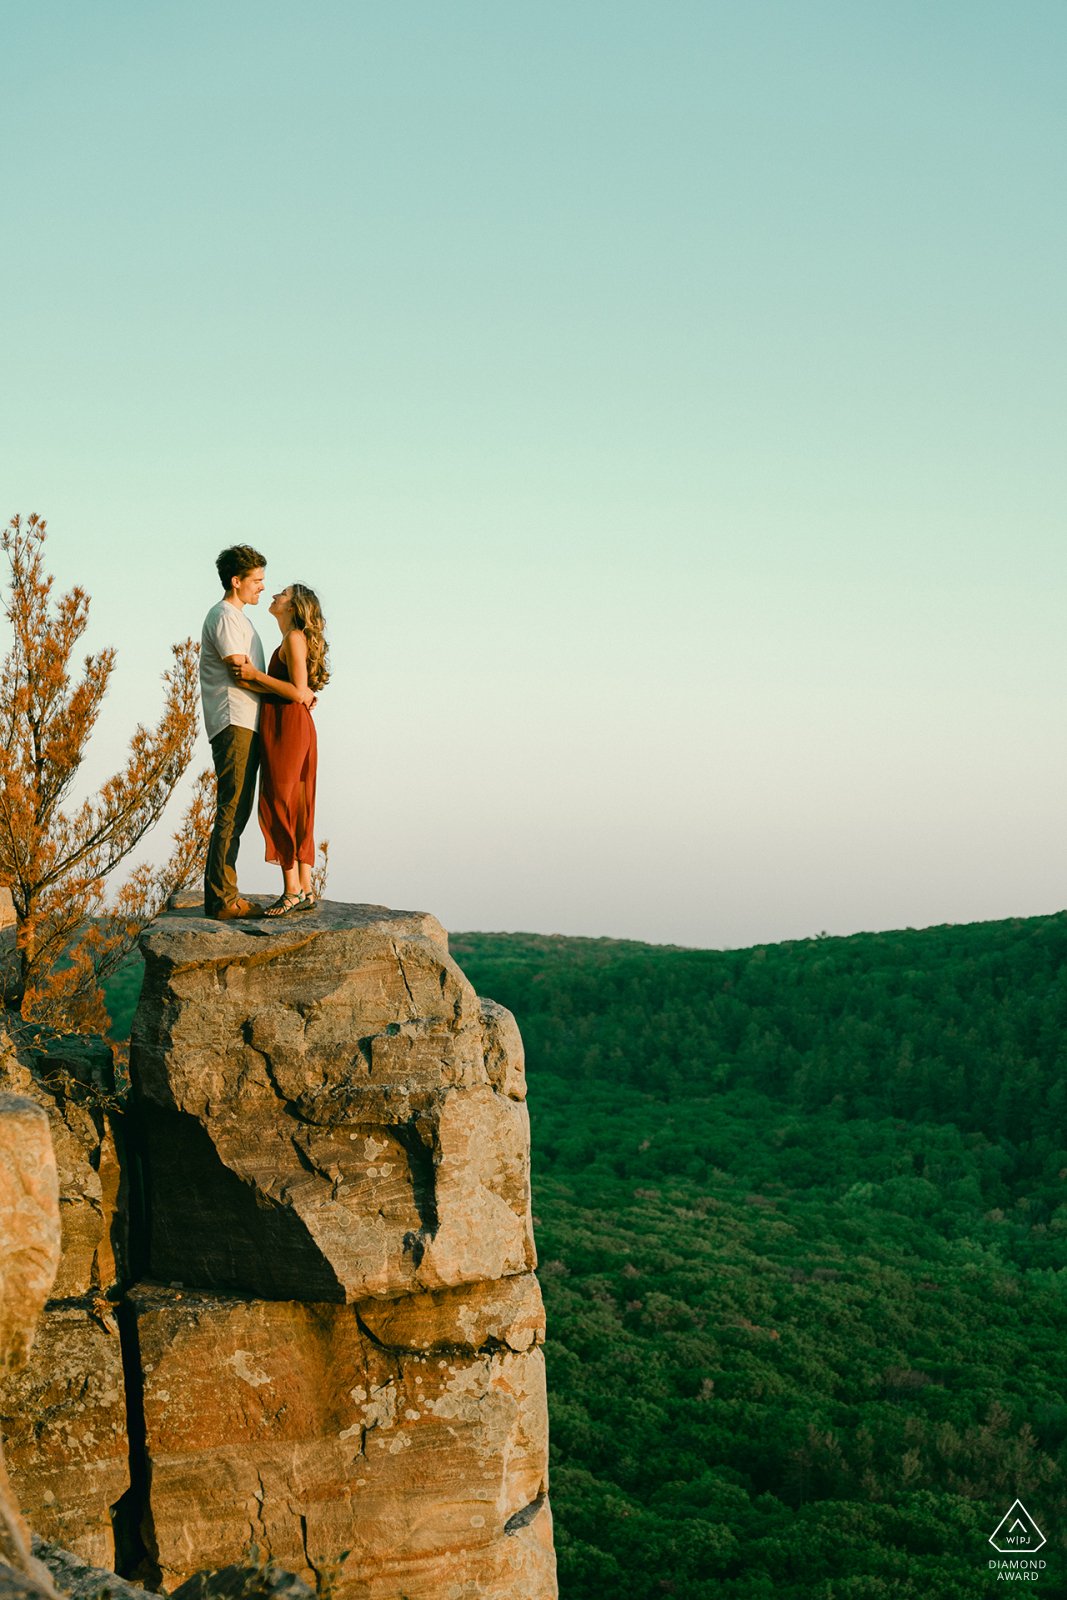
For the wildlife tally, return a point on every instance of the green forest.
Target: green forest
(801, 1215)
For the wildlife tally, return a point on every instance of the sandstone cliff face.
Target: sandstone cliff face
(29, 1242)
(285, 1425)
(341, 1097)
(63, 1414)
(332, 1332)
(72, 1082)
(29, 1256)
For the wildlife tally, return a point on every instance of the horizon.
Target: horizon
(606, 938)
(758, 944)
(666, 408)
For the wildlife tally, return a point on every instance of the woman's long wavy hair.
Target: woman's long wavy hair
(307, 615)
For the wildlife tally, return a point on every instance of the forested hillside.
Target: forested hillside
(803, 1237)
(802, 1224)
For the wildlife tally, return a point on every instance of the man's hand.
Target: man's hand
(309, 698)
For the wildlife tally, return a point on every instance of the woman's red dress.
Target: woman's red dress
(288, 760)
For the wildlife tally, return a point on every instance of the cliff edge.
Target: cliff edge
(324, 1306)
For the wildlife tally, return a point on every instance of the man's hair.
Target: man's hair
(237, 562)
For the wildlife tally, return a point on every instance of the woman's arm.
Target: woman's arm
(296, 654)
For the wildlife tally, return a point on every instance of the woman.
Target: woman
(287, 743)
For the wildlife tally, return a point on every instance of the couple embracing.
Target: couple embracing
(260, 720)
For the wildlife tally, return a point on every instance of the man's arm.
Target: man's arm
(244, 661)
(250, 677)
(239, 665)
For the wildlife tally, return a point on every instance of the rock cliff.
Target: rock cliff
(29, 1256)
(63, 1414)
(321, 1339)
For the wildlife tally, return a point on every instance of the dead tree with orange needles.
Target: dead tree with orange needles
(56, 861)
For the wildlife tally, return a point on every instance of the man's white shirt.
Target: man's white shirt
(227, 632)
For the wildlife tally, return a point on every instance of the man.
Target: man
(231, 717)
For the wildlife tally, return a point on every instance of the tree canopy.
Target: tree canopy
(801, 1221)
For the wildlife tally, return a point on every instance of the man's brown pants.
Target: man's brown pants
(236, 755)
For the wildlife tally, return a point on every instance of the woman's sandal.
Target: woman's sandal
(308, 902)
(284, 904)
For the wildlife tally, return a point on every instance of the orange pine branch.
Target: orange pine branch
(57, 864)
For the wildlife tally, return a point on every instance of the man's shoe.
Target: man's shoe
(236, 909)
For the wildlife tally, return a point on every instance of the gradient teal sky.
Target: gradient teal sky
(667, 401)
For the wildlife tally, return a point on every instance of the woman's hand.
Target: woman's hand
(244, 671)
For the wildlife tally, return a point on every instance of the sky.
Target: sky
(667, 403)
